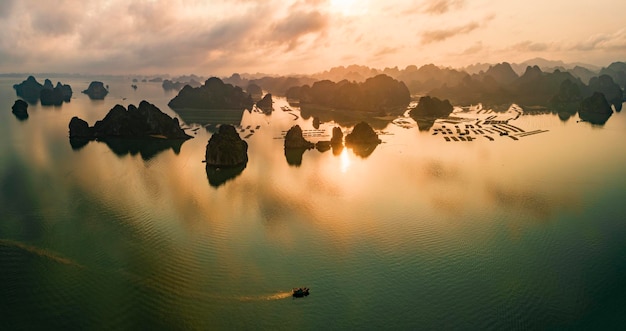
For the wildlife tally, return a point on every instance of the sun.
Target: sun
(348, 7)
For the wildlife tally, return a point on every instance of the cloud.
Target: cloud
(223, 36)
(386, 51)
(6, 8)
(297, 24)
(432, 36)
(477, 47)
(530, 46)
(438, 7)
(67, 15)
(606, 41)
(441, 35)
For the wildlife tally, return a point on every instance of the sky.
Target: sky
(300, 36)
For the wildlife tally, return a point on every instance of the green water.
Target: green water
(421, 234)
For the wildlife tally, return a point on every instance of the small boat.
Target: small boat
(299, 292)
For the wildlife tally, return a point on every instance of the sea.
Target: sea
(524, 230)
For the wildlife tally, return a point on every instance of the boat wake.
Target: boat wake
(147, 283)
(270, 297)
(39, 252)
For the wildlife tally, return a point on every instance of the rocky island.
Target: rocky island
(266, 103)
(362, 133)
(55, 96)
(177, 85)
(595, 109)
(348, 102)
(295, 140)
(144, 130)
(171, 85)
(226, 155)
(428, 110)
(500, 85)
(212, 103)
(31, 91)
(96, 90)
(609, 88)
(145, 121)
(363, 139)
(226, 149)
(335, 142)
(255, 91)
(377, 94)
(214, 94)
(567, 100)
(20, 109)
(295, 145)
(431, 107)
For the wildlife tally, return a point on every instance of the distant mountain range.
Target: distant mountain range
(543, 64)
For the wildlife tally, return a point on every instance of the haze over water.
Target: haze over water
(422, 233)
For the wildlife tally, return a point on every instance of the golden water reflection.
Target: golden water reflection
(411, 177)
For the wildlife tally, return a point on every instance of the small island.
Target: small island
(428, 110)
(226, 149)
(20, 109)
(295, 145)
(362, 140)
(226, 155)
(96, 90)
(362, 133)
(295, 140)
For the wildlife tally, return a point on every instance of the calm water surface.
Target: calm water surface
(421, 234)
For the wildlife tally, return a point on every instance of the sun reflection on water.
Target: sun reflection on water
(345, 160)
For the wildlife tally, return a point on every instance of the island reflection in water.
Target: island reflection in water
(469, 227)
(219, 176)
(147, 148)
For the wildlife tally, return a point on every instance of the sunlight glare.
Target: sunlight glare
(345, 160)
(347, 7)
